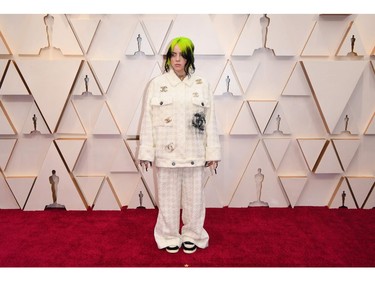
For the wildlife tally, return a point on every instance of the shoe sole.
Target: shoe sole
(189, 250)
(172, 250)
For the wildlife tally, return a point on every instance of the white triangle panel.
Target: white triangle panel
(325, 37)
(69, 122)
(135, 125)
(278, 124)
(63, 36)
(200, 30)
(105, 123)
(6, 126)
(7, 146)
(262, 111)
(123, 162)
(12, 83)
(277, 148)
(41, 194)
(88, 109)
(361, 187)
(250, 37)
(294, 29)
(124, 185)
(41, 126)
(106, 198)
(244, 123)
(157, 29)
(104, 70)
(246, 192)
(228, 83)
(18, 109)
(329, 163)
(311, 149)
(346, 150)
(346, 47)
(227, 108)
(138, 196)
(333, 83)
(90, 186)
(80, 84)
(347, 120)
(139, 43)
(21, 187)
(50, 97)
(70, 150)
(85, 28)
(342, 193)
(7, 199)
(293, 187)
(245, 71)
(297, 84)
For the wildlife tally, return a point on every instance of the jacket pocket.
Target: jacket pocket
(162, 110)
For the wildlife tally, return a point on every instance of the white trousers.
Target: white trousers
(181, 188)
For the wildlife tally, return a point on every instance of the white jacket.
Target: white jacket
(178, 128)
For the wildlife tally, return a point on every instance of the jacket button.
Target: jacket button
(202, 103)
(173, 164)
(161, 103)
(192, 162)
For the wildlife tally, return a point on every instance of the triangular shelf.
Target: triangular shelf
(297, 84)
(105, 124)
(361, 187)
(311, 150)
(79, 87)
(70, 122)
(244, 124)
(346, 149)
(12, 82)
(328, 162)
(293, 187)
(346, 44)
(250, 37)
(106, 198)
(333, 83)
(277, 148)
(21, 187)
(157, 29)
(262, 111)
(139, 42)
(228, 83)
(85, 29)
(70, 150)
(90, 185)
(104, 71)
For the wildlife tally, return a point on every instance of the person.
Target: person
(179, 135)
(54, 181)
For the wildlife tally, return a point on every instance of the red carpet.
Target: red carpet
(239, 237)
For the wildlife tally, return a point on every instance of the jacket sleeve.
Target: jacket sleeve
(146, 139)
(213, 147)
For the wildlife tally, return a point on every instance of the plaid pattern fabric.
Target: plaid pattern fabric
(168, 136)
(181, 188)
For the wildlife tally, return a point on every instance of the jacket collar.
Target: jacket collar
(174, 80)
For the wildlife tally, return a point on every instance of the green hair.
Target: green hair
(187, 51)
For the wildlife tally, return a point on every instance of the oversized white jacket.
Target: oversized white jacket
(178, 127)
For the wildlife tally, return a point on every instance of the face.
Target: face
(178, 62)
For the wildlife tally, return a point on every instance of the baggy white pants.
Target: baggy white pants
(181, 188)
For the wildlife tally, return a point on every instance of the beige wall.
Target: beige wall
(304, 76)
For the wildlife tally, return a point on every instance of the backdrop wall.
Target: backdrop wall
(291, 98)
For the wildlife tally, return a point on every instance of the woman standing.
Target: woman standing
(179, 135)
